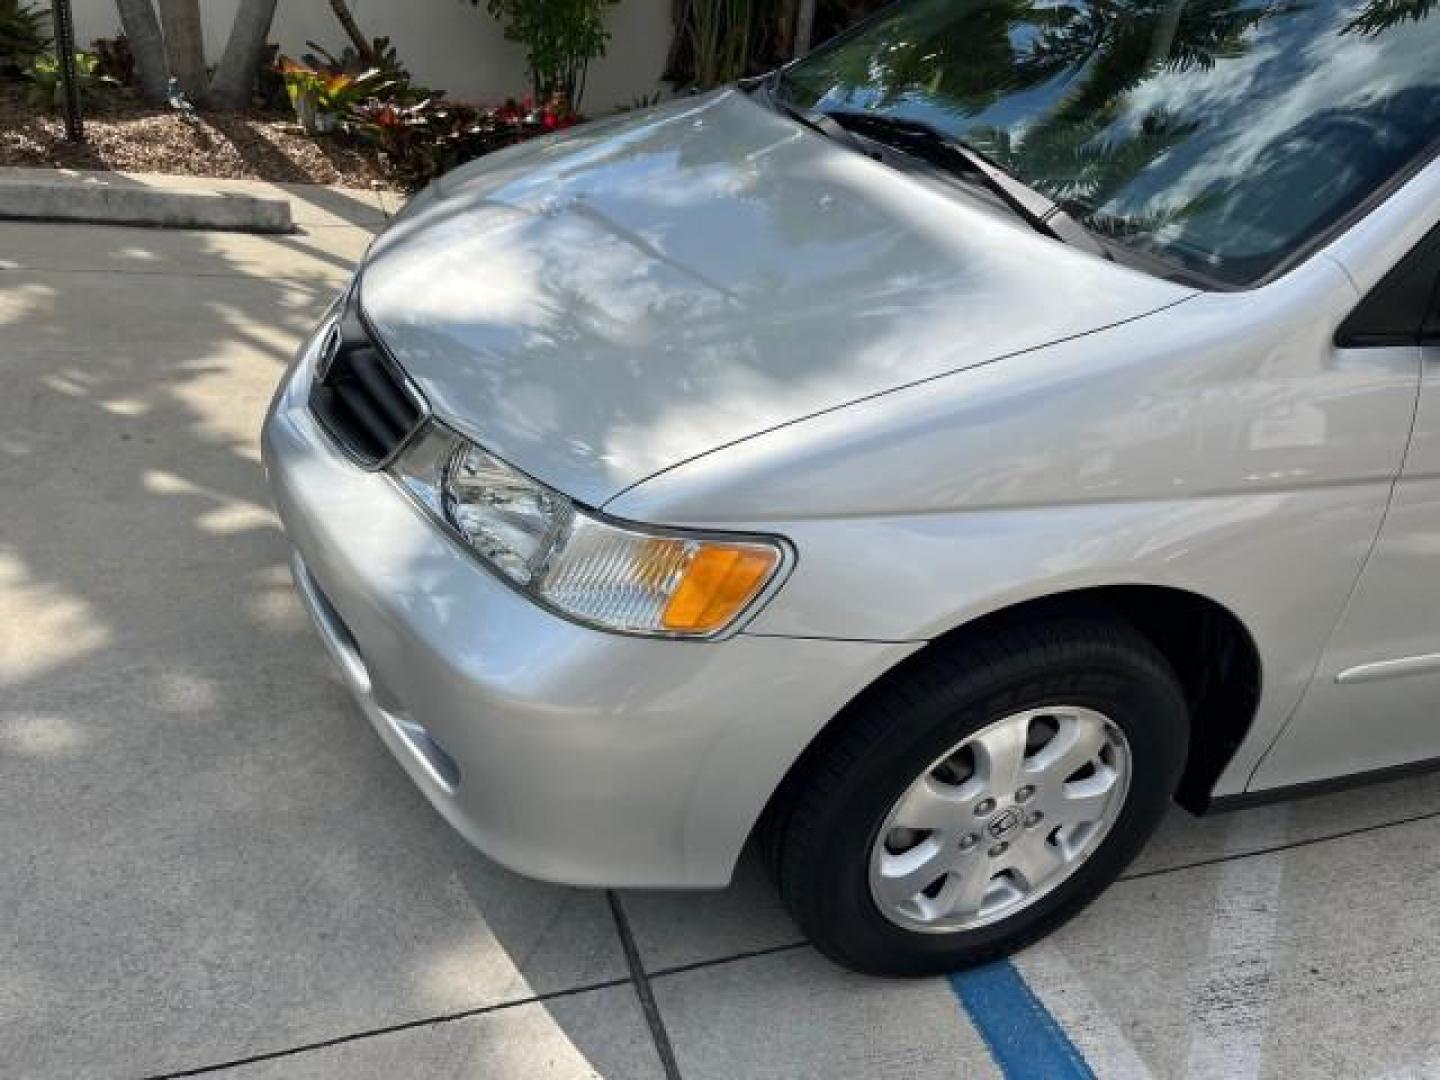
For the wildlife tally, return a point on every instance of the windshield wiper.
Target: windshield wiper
(1037, 209)
(822, 122)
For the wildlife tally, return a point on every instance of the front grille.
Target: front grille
(359, 395)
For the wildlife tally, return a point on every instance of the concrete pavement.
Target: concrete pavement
(115, 198)
(211, 865)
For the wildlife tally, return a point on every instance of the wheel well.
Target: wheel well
(1216, 661)
(1211, 652)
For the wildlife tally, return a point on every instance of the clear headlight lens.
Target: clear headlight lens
(501, 514)
(607, 574)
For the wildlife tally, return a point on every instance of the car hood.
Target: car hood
(600, 307)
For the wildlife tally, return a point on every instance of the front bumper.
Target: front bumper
(565, 753)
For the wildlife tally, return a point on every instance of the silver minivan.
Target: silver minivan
(930, 460)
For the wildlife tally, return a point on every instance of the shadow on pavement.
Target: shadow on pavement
(209, 854)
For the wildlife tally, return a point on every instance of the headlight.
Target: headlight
(612, 575)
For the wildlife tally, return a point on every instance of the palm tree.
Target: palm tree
(244, 52)
(185, 46)
(142, 31)
(172, 42)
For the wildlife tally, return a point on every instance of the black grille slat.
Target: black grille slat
(379, 387)
(360, 397)
(363, 425)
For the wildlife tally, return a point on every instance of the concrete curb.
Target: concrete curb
(118, 199)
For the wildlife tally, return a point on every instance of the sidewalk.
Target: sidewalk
(181, 202)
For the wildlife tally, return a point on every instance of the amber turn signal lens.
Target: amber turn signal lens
(719, 581)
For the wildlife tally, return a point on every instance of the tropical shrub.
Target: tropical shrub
(417, 133)
(420, 141)
(382, 55)
(397, 83)
(24, 36)
(47, 90)
(561, 37)
(114, 60)
(321, 98)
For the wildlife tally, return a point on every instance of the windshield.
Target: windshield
(1222, 135)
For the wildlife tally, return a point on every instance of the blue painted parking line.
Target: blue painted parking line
(1023, 1038)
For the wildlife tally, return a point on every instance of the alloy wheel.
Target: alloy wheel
(1000, 820)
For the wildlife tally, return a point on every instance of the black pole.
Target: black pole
(65, 54)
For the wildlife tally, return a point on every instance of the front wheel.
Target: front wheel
(981, 797)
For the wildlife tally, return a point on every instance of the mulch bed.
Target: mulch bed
(125, 134)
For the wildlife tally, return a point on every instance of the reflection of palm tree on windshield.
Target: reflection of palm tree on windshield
(1380, 15)
(1168, 124)
(1070, 153)
(1082, 170)
(966, 72)
(1114, 45)
(1104, 50)
(1118, 44)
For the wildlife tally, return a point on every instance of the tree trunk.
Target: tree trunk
(185, 46)
(235, 77)
(804, 27)
(142, 31)
(352, 31)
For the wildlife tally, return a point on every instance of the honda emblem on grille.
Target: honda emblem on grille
(328, 351)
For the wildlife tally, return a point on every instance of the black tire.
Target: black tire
(819, 834)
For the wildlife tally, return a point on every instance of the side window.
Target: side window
(1402, 309)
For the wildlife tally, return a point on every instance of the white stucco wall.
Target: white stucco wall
(447, 44)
